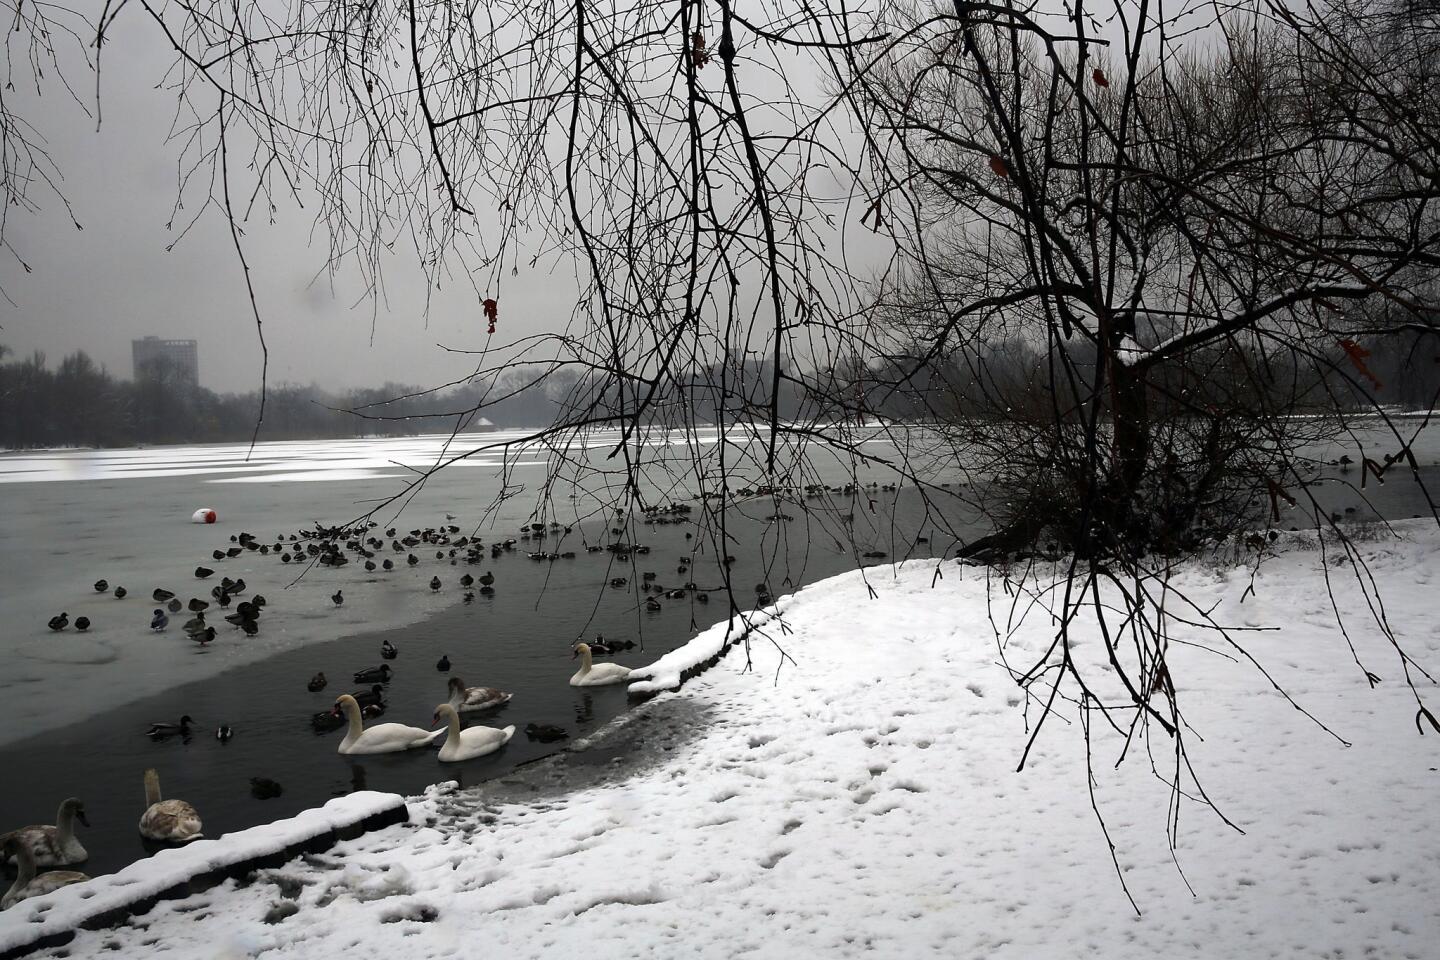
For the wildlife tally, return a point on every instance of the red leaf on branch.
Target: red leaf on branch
(997, 164)
(1357, 355)
(492, 312)
(698, 54)
(1099, 77)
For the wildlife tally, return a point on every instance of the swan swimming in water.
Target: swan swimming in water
(169, 821)
(471, 742)
(53, 845)
(470, 699)
(27, 884)
(590, 675)
(381, 738)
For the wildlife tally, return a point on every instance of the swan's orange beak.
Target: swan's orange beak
(434, 721)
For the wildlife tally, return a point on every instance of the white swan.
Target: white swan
(57, 845)
(382, 737)
(471, 742)
(28, 885)
(470, 699)
(169, 821)
(590, 675)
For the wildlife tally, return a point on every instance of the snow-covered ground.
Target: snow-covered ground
(864, 799)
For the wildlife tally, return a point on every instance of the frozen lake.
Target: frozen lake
(73, 706)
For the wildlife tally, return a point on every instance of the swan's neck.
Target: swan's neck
(585, 661)
(352, 713)
(65, 823)
(24, 867)
(454, 736)
(152, 788)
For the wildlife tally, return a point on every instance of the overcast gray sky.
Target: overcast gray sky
(99, 288)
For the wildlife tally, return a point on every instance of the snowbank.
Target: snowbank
(180, 871)
(854, 791)
(684, 662)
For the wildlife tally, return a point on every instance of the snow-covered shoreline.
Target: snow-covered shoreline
(864, 798)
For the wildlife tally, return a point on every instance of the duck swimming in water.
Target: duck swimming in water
(387, 650)
(443, 664)
(317, 683)
(380, 674)
(164, 731)
(545, 732)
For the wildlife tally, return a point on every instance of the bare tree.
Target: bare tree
(1119, 248)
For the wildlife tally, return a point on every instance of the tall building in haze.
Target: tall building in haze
(156, 359)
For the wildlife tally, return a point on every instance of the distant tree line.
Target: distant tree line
(80, 403)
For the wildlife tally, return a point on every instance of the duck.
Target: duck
(337, 598)
(120, 593)
(263, 788)
(53, 845)
(387, 650)
(203, 637)
(590, 675)
(317, 682)
(82, 624)
(601, 647)
(223, 733)
(434, 583)
(472, 699)
(545, 732)
(443, 664)
(27, 884)
(164, 731)
(197, 605)
(102, 585)
(167, 821)
(174, 606)
(375, 695)
(60, 622)
(161, 595)
(487, 579)
(159, 621)
(471, 742)
(202, 572)
(381, 738)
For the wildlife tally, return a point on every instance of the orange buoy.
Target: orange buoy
(203, 515)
